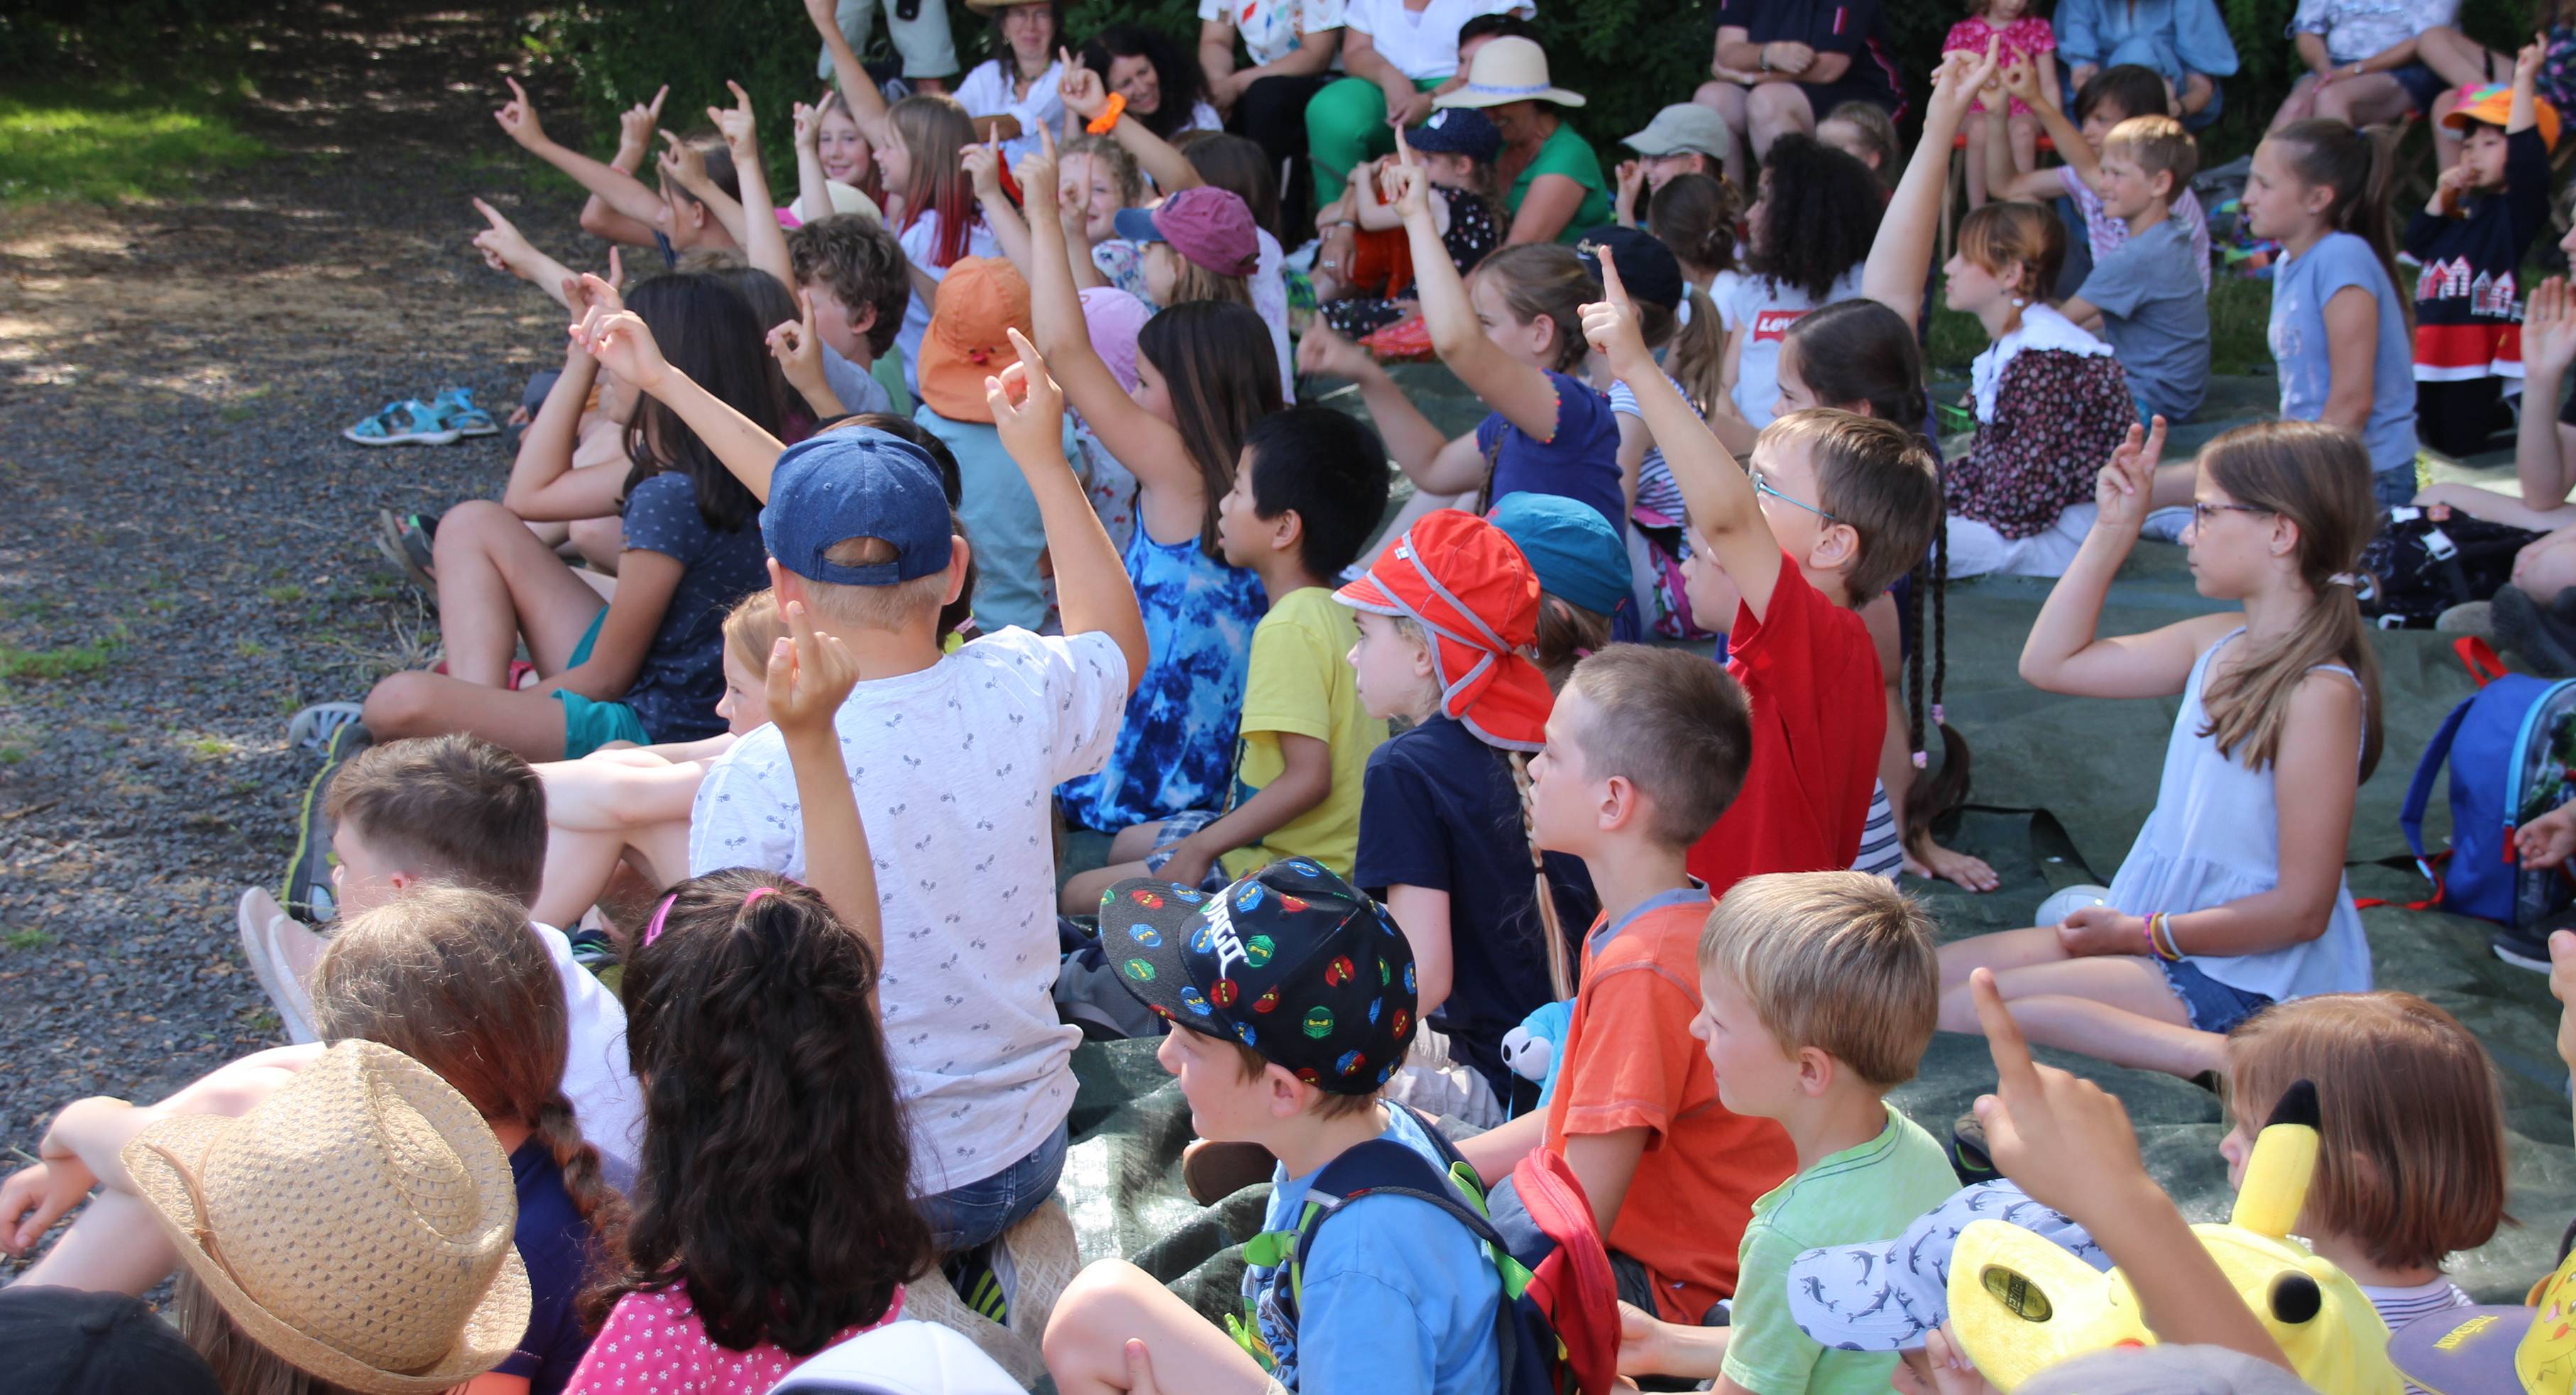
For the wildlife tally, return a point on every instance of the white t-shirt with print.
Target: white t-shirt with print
(1271, 29)
(919, 241)
(953, 767)
(1269, 287)
(1421, 44)
(987, 92)
(1763, 309)
(597, 1079)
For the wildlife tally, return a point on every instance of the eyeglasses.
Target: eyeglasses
(1763, 486)
(2203, 513)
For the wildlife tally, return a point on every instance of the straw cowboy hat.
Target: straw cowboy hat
(357, 1222)
(1508, 69)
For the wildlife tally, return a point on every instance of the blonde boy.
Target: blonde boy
(1819, 993)
(2146, 296)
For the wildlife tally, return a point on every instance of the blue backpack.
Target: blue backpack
(2511, 747)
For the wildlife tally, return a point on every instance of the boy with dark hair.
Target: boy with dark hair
(1836, 507)
(1310, 489)
(460, 811)
(1645, 749)
(955, 754)
(2470, 239)
(2146, 297)
(1291, 998)
(855, 284)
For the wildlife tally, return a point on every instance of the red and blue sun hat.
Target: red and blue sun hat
(1290, 960)
(1467, 584)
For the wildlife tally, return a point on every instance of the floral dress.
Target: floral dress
(2051, 405)
(1473, 232)
(2024, 41)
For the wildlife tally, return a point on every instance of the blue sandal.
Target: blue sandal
(455, 406)
(410, 423)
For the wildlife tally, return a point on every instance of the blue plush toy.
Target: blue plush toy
(1534, 1048)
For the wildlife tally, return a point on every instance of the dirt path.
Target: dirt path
(184, 553)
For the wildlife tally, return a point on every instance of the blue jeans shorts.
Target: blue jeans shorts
(2394, 489)
(588, 722)
(963, 1218)
(2211, 1005)
(1169, 836)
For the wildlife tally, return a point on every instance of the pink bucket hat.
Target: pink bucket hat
(1210, 226)
(1115, 318)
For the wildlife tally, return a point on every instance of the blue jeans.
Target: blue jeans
(2395, 489)
(963, 1218)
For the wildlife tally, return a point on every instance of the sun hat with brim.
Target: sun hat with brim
(1472, 591)
(1508, 69)
(357, 1222)
(1212, 227)
(2493, 105)
(980, 301)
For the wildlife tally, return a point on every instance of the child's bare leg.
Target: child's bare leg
(1111, 1301)
(1975, 126)
(2119, 1036)
(497, 582)
(2119, 1007)
(433, 704)
(579, 863)
(2004, 950)
(113, 1246)
(2024, 133)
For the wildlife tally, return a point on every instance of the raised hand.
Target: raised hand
(1610, 325)
(982, 163)
(1081, 88)
(798, 348)
(736, 125)
(2020, 79)
(808, 121)
(518, 117)
(585, 293)
(1033, 428)
(2526, 62)
(2549, 328)
(2065, 1140)
(1632, 178)
(636, 127)
(39, 1194)
(1322, 350)
(623, 344)
(1961, 77)
(810, 675)
(2126, 483)
(1403, 188)
(1036, 174)
(681, 163)
(503, 247)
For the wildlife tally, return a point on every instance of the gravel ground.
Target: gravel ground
(184, 539)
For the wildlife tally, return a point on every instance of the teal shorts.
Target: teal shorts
(588, 722)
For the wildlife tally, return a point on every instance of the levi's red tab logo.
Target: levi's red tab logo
(1772, 326)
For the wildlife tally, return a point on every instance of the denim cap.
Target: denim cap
(1888, 1294)
(859, 483)
(1570, 545)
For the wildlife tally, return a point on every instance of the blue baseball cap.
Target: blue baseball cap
(1570, 545)
(1458, 131)
(849, 484)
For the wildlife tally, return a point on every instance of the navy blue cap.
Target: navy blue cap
(1458, 131)
(849, 484)
(1650, 271)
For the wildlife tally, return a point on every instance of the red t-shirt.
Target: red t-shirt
(1630, 1061)
(1819, 714)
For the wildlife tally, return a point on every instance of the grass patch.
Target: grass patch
(105, 142)
(2240, 317)
(27, 939)
(283, 595)
(65, 661)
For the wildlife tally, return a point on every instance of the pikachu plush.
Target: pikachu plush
(2020, 1304)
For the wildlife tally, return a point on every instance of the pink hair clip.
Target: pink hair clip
(661, 913)
(1921, 761)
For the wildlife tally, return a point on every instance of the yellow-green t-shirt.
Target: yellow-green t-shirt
(1300, 680)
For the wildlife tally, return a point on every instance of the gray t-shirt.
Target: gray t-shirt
(857, 388)
(2156, 316)
(2301, 286)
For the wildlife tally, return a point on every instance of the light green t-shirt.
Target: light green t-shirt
(1300, 680)
(1872, 1192)
(1568, 154)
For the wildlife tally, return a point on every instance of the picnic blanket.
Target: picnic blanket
(2061, 788)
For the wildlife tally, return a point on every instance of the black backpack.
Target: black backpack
(2426, 560)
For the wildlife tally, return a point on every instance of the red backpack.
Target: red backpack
(1558, 1324)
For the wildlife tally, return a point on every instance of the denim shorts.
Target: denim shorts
(2212, 1006)
(1169, 836)
(963, 1218)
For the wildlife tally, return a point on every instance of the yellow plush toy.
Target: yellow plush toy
(2020, 1304)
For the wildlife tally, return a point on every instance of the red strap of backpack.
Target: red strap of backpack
(2479, 659)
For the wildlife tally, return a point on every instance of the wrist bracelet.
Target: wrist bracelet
(1107, 121)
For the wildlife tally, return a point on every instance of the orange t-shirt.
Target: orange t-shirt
(1630, 1061)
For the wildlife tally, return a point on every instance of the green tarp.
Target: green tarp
(2092, 767)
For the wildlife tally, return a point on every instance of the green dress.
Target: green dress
(1568, 154)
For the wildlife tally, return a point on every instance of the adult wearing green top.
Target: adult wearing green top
(1556, 183)
(1398, 53)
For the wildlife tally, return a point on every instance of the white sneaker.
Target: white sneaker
(281, 954)
(2166, 524)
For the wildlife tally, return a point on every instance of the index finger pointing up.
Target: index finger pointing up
(2016, 1076)
(1611, 290)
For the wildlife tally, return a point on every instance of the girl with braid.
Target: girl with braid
(1447, 615)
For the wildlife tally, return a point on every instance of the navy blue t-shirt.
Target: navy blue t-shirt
(1581, 462)
(555, 1246)
(1438, 810)
(676, 691)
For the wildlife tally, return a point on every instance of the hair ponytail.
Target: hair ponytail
(1560, 958)
(1935, 798)
(601, 1207)
(2317, 477)
(2360, 167)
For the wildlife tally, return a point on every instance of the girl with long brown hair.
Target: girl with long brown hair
(2230, 901)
